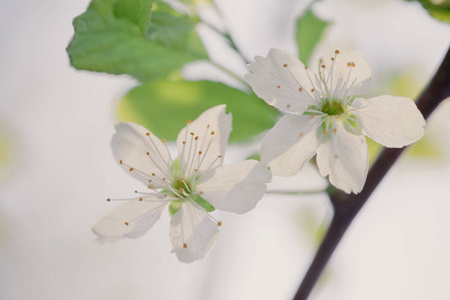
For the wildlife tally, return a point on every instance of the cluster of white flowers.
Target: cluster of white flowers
(323, 116)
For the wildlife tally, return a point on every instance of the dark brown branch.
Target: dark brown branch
(347, 206)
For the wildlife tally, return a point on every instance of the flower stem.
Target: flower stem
(230, 73)
(310, 192)
(347, 206)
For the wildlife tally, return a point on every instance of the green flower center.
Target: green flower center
(185, 190)
(179, 185)
(332, 108)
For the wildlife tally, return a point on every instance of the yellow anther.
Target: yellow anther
(126, 223)
(165, 195)
(140, 199)
(164, 179)
(188, 122)
(147, 134)
(109, 199)
(151, 186)
(220, 156)
(335, 156)
(285, 65)
(149, 180)
(164, 140)
(201, 193)
(336, 52)
(184, 245)
(301, 134)
(332, 58)
(312, 115)
(131, 169)
(306, 68)
(213, 133)
(334, 130)
(300, 89)
(353, 64)
(287, 106)
(184, 142)
(148, 153)
(322, 66)
(325, 132)
(153, 174)
(192, 133)
(219, 223)
(120, 161)
(312, 90)
(349, 64)
(200, 152)
(196, 138)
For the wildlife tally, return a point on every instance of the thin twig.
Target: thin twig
(310, 192)
(227, 33)
(230, 73)
(347, 206)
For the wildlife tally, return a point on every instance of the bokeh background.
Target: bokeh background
(56, 170)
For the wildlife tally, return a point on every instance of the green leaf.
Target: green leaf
(164, 106)
(309, 32)
(124, 37)
(438, 9)
(175, 30)
(138, 12)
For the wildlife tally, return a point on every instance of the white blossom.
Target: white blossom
(191, 186)
(324, 115)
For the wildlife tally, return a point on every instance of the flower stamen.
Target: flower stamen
(141, 215)
(219, 223)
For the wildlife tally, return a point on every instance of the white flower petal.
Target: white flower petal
(290, 144)
(140, 216)
(278, 78)
(192, 226)
(389, 120)
(237, 187)
(344, 157)
(359, 80)
(205, 140)
(131, 144)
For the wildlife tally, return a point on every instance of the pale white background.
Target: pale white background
(58, 123)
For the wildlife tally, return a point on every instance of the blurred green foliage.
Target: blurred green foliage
(255, 157)
(2, 153)
(310, 30)
(6, 154)
(438, 9)
(163, 106)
